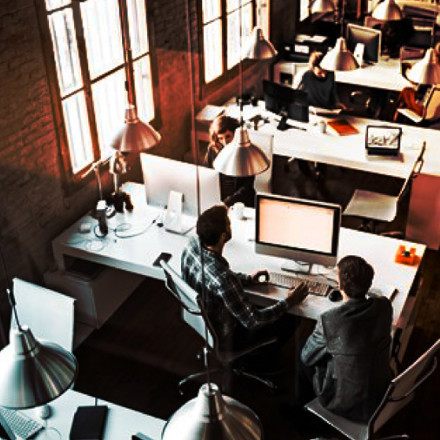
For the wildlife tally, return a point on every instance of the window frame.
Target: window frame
(71, 181)
(227, 75)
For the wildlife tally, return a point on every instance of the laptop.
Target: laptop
(381, 140)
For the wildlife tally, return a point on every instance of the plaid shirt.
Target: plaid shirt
(227, 304)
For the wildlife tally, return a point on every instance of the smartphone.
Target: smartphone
(164, 256)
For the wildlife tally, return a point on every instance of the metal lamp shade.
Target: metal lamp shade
(339, 58)
(387, 10)
(33, 373)
(136, 136)
(322, 7)
(427, 70)
(260, 48)
(211, 416)
(241, 158)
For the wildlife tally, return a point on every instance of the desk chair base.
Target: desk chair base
(237, 371)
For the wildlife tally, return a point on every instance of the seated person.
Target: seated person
(413, 99)
(320, 84)
(347, 355)
(237, 321)
(221, 132)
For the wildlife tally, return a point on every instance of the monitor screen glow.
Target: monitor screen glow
(298, 229)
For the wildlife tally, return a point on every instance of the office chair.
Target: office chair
(431, 109)
(399, 393)
(263, 181)
(197, 317)
(49, 314)
(373, 207)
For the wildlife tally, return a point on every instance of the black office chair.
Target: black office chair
(195, 315)
(400, 392)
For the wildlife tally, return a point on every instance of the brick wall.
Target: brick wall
(33, 208)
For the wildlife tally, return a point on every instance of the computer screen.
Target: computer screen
(287, 102)
(369, 37)
(162, 175)
(297, 229)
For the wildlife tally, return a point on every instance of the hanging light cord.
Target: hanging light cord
(240, 65)
(196, 153)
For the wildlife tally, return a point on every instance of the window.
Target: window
(93, 68)
(221, 32)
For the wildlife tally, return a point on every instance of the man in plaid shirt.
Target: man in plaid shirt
(237, 321)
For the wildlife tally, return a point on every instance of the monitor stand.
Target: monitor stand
(296, 266)
(283, 125)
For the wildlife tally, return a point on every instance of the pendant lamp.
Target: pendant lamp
(387, 10)
(260, 48)
(136, 136)
(211, 416)
(241, 157)
(33, 373)
(339, 58)
(427, 70)
(322, 7)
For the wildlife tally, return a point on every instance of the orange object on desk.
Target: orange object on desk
(404, 256)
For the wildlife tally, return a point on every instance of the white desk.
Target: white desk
(346, 151)
(137, 254)
(382, 75)
(121, 422)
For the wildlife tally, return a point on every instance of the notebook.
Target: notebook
(342, 127)
(88, 423)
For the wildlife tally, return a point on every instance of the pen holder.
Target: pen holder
(404, 256)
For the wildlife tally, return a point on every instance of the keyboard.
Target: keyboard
(291, 281)
(20, 424)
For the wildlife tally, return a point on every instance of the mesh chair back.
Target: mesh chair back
(187, 298)
(432, 108)
(401, 389)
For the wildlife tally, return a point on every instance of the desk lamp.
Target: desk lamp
(321, 6)
(387, 10)
(427, 70)
(33, 373)
(340, 58)
(241, 158)
(209, 416)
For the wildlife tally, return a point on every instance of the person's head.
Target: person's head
(222, 129)
(355, 276)
(213, 226)
(315, 64)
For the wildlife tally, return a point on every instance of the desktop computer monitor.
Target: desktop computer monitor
(297, 229)
(286, 102)
(162, 175)
(369, 37)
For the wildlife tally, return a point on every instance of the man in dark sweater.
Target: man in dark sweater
(319, 84)
(347, 355)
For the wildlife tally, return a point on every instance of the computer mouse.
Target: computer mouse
(44, 411)
(335, 295)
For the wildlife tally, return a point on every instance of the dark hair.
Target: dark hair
(211, 224)
(315, 59)
(355, 276)
(221, 124)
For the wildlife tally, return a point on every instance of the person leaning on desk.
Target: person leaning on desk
(221, 133)
(237, 321)
(347, 355)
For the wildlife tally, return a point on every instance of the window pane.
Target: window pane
(212, 39)
(137, 21)
(53, 4)
(65, 49)
(263, 16)
(102, 31)
(232, 4)
(78, 131)
(144, 89)
(110, 102)
(211, 9)
(233, 29)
